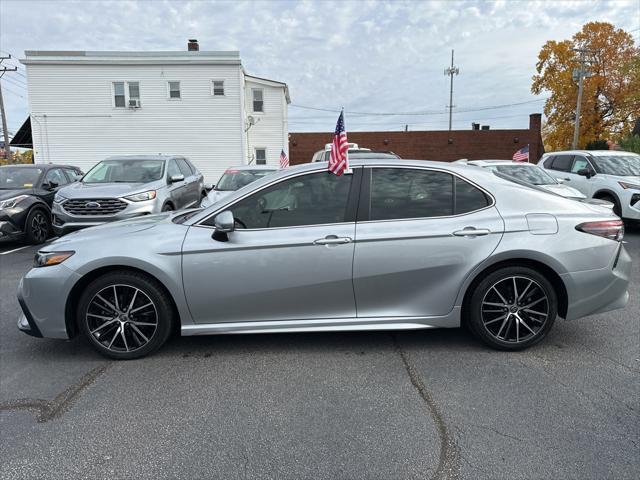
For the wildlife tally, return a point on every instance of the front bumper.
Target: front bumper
(599, 290)
(630, 205)
(63, 222)
(42, 295)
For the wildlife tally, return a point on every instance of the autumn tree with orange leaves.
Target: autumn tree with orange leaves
(610, 97)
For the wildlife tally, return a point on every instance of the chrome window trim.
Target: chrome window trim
(455, 174)
(276, 181)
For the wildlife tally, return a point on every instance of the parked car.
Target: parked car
(26, 195)
(119, 188)
(413, 244)
(233, 179)
(323, 155)
(531, 174)
(609, 175)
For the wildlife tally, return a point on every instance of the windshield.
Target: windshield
(235, 179)
(125, 171)
(618, 165)
(13, 178)
(528, 174)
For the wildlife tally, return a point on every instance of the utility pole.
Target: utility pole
(451, 71)
(579, 74)
(5, 129)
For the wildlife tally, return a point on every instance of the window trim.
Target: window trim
(169, 97)
(364, 212)
(352, 204)
(224, 90)
(126, 93)
(255, 155)
(253, 110)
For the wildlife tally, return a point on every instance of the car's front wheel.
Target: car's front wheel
(37, 226)
(512, 308)
(125, 314)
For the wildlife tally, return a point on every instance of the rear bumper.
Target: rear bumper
(600, 290)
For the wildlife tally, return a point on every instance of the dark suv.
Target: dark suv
(26, 195)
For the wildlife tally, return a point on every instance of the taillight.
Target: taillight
(611, 229)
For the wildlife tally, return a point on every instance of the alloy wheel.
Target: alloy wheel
(122, 318)
(39, 227)
(515, 309)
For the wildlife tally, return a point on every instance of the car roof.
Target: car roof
(143, 157)
(594, 153)
(253, 167)
(41, 165)
(489, 163)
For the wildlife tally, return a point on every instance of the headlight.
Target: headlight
(626, 185)
(139, 197)
(47, 259)
(12, 202)
(59, 198)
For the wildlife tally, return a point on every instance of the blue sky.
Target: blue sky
(368, 56)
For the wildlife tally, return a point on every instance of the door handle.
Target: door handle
(332, 240)
(471, 232)
(567, 179)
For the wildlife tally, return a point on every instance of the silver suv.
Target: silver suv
(124, 187)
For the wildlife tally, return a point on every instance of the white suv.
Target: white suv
(609, 175)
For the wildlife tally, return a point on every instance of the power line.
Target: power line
(13, 82)
(419, 113)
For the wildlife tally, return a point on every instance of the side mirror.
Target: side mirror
(560, 180)
(50, 185)
(176, 178)
(586, 172)
(209, 186)
(224, 222)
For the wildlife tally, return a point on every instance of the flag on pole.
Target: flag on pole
(522, 155)
(284, 161)
(339, 159)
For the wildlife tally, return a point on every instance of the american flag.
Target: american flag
(522, 155)
(284, 161)
(338, 159)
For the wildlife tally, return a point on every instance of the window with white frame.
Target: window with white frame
(124, 93)
(261, 156)
(217, 88)
(258, 100)
(173, 88)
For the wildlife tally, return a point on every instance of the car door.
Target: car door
(177, 190)
(420, 233)
(290, 257)
(192, 194)
(579, 182)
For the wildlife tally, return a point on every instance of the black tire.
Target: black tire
(145, 328)
(167, 207)
(37, 227)
(495, 316)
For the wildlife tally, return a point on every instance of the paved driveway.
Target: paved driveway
(430, 404)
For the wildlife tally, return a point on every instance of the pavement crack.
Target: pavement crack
(46, 410)
(449, 458)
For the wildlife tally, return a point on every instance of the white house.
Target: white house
(86, 106)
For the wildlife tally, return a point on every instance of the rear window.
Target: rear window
(562, 163)
(233, 180)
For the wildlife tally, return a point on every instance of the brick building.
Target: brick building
(432, 145)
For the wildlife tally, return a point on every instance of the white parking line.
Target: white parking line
(14, 250)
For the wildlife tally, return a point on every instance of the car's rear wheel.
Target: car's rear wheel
(125, 315)
(37, 226)
(616, 204)
(512, 308)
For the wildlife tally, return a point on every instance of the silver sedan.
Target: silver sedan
(394, 245)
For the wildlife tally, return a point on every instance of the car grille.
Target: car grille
(94, 206)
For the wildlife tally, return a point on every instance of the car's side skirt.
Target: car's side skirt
(325, 325)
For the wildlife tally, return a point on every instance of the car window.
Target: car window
(527, 173)
(622, 165)
(468, 197)
(184, 167)
(74, 175)
(125, 171)
(398, 193)
(173, 169)
(12, 178)
(312, 199)
(579, 163)
(547, 162)
(234, 179)
(56, 176)
(562, 163)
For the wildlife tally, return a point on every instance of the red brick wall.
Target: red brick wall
(431, 145)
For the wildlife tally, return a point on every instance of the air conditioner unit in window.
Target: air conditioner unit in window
(134, 103)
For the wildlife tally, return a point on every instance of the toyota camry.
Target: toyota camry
(391, 245)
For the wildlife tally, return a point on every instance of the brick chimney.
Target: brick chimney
(192, 45)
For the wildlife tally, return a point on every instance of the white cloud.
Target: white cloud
(366, 55)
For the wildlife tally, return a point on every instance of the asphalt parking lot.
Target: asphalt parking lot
(429, 404)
